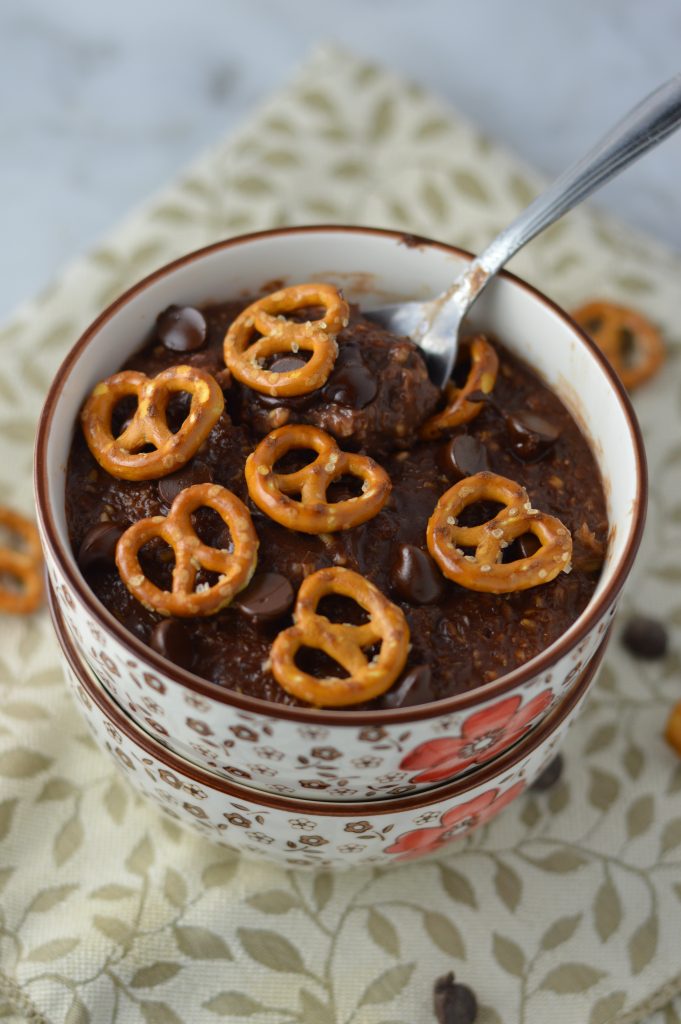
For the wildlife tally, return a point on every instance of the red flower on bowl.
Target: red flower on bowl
(454, 824)
(484, 735)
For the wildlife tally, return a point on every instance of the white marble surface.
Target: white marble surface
(103, 103)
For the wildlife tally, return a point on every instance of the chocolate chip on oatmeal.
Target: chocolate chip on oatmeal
(415, 576)
(287, 363)
(181, 328)
(453, 1003)
(463, 456)
(531, 435)
(171, 639)
(195, 472)
(351, 382)
(412, 688)
(98, 547)
(550, 776)
(645, 637)
(267, 597)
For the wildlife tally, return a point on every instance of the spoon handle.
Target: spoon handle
(651, 121)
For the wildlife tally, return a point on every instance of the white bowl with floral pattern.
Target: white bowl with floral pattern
(340, 754)
(314, 833)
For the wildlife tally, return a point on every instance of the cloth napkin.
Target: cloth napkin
(566, 909)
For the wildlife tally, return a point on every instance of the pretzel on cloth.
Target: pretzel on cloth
(482, 376)
(22, 567)
(366, 677)
(484, 570)
(312, 513)
(632, 344)
(235, 567)
(246, 356)
(121, 456)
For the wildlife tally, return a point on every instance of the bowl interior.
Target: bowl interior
(372, 267)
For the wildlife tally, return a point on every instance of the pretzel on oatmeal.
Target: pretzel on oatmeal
(121, 456)
(482, 377)
(267, 317)
(313, 513)
(631, 343)
(21, 569)
(483, 570)
(235, 567)
(366, 677)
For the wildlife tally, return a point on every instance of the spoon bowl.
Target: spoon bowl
(434, 325)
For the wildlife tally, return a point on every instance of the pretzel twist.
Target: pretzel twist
(483, 570)
(235, 567)
(267, 317)
(367, 678)
(632, 344)
(312, 513)
(120, 456)
(23, 567)
(481, 377)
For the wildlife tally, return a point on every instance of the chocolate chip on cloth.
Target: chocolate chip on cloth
(453, 1003)
(550, 776)
(181, 328)
(645, 637)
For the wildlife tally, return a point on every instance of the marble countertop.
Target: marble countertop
(103, 104)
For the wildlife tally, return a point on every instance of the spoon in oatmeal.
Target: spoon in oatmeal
(434, 325)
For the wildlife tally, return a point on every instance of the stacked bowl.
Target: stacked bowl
(333, 787)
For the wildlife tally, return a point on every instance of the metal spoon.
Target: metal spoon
(434, 325)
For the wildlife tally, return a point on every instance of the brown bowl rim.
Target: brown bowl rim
(423, 798)
(257, 705)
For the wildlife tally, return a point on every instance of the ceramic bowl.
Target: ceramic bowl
(329, 754)
(314, 833)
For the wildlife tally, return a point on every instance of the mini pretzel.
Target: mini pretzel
(235, 567)
(313, 514)
(632, 344)
(482, 377)
(484, 570)
(267, 318)
(343, 642)
(25, 567)
(121, 456)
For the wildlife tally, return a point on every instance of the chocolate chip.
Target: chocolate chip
(412, 688)
(181, 328)
(351, 384)
(171, 638)
(98, 547)
(531, 435)
(528, 545)
(550, 776)
(645, 637)
(415, 576)
(462, 456)
(268, 596)
(195, 472)
(287, 363)
(454, 1003)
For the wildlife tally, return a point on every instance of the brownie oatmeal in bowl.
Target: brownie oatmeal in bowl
(293, 559)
